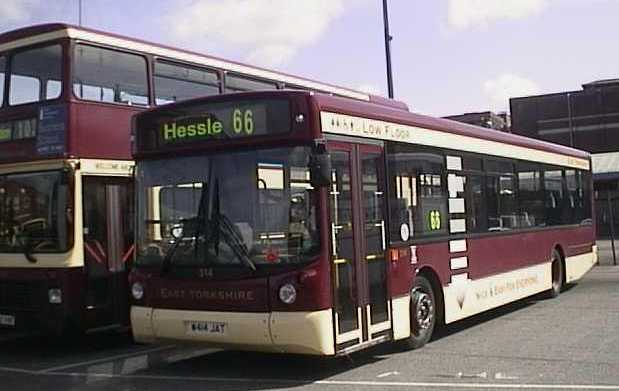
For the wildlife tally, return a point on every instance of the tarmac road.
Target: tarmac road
(571, 342)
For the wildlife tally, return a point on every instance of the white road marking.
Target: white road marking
(18, 370)
(483, 375)
(378, 384)
(106, 359)
(502, 376)
(388, 374)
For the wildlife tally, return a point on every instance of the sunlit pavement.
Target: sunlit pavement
(565, 343)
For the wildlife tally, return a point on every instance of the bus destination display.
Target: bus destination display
(226, 120)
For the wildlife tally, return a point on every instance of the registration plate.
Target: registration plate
(7, 320)
(206, 328)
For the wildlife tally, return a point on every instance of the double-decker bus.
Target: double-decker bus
(67, 95)
(305, 223)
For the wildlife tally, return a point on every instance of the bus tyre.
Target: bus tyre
(423, 313)
(557, 274)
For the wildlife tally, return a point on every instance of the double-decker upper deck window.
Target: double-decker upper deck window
(238, 84)
(36, 75)
(2, 71)
(106, 75)
(175, 82)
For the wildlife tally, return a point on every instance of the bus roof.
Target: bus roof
(376, 112)
(46, 32)
(351, 110)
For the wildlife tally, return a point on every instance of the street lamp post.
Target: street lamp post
(80, 12)
(388, 39)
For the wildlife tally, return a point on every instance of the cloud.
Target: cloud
(464, 14)
(15, 10)
(508, 86)
(271, 31)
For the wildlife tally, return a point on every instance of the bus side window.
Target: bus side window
(530, 195)
(35, 75)
(237, 83)
(554, 195)
(106, 75)
(175, 82)
(418, 192)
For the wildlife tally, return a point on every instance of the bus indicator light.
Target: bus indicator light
(137, 291)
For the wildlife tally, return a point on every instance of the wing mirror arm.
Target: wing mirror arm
(320, 164)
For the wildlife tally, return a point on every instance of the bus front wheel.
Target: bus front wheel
(422, 313)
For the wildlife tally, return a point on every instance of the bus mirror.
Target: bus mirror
(320, 169)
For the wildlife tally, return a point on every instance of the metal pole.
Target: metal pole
(612, 228)
(80, 12)
(388, 39)
(569, 118)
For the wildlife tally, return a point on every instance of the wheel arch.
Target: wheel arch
(559, 248)
(431, 275)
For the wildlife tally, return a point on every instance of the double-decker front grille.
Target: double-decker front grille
(19, 295)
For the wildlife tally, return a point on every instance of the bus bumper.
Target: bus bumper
(285, 332)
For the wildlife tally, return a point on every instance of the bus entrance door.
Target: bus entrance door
(108, 247)
(362, 309)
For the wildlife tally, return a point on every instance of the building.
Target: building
(586, 119)
(486, 119)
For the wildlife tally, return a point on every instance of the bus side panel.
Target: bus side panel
(502, 268)
(497, 254)
(101, 130)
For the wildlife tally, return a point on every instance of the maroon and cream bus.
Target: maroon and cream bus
(305, 223)
(67, 96)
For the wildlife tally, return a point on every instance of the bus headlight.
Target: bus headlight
(137, 291)
(288, 293)
(54, 296)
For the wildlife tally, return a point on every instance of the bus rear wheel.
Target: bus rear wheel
(422, 313)
(557, 274)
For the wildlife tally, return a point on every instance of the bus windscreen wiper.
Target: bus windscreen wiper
(231, 236)
(233, 239)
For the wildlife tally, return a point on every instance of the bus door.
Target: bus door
(108, 248)
(362, 312)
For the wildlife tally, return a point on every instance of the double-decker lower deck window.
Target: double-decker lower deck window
(106, 75)
(36, 75)
(175, 82)
(34, 212)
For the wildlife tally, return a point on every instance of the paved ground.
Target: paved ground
(605, 250)
(566, 343)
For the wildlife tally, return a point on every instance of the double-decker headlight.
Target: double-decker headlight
(288, 293)
(137, 290)
(54, 295)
